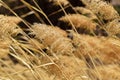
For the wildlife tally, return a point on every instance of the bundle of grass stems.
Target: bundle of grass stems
(72, 42)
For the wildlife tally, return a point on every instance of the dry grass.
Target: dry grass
(102, 9)
(86, 12)
(110, 70)
(103, 49)
(79, 21)
(63, 2)
(47, 52)
(53, 38)
(113, 27)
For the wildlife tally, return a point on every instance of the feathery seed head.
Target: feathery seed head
(54, 38)
(79, 21)
(102, 9)
(113, 27)
(86, 12)
(8, 26)
(62, 2)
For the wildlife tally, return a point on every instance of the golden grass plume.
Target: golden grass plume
(53, 38)
(79, 21)
(102, 9)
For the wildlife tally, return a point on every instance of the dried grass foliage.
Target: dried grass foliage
(113, 27)
(8, 26)
(86, 12)
(71, 70)
(20, 72)
(102, 9)
(54, 54)
(110, 70)
(4, 48)
(53, 38)
(8, 29)
(105, 50)
(79, 21)
(62, 2)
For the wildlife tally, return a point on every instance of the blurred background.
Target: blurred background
(116, 4)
